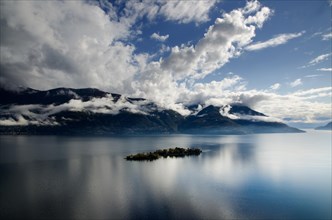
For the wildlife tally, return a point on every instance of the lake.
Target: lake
(263, 176)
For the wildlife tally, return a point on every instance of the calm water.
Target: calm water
(253, 176)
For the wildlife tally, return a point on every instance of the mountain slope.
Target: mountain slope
(66, 111)
(209, 121)
(328, 126)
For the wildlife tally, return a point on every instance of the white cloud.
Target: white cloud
(18, 121)
(327, 36)
(71, 43)
(317, 60)
(296, 82)
(224, 111)
(39, 114)
(75, 44)
(297, 106)
(135, 10)
(312, 76)
(223, 40)
(187, 11)
(312, 91)
(325, 69)
(275, 86)
(178, 11)
(273, 42)
(319, 33)
(251, 6)
(296, 109)
(172, 79)
(158, 37)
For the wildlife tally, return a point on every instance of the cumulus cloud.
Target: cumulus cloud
(158, 37)
(69, 43)
(77, 44)
(275, 86)
(172, 79)
(224, 40)
(296, 82)
(210, 93)
(273, 42)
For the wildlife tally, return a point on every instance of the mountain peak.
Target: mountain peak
(210, 110)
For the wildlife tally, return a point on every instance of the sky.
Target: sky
(274, 56)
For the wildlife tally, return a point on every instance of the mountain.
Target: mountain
(328, 126)
(66, 111)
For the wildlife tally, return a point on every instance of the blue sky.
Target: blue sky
(262, 68)
(274, 56)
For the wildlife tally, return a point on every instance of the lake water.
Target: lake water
(267, 176)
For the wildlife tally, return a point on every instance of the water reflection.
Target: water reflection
(235, 177)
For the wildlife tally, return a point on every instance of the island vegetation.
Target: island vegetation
(171, 152)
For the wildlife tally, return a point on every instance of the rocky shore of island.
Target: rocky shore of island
(170, 152)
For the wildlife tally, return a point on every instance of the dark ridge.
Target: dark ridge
(171, 152)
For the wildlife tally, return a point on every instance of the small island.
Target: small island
(171, 152)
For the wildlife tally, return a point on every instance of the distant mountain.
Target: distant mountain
(328, 126)
(66, 111)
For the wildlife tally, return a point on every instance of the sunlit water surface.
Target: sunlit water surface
(263, 176)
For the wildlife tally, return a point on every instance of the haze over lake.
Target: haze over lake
(250, 176)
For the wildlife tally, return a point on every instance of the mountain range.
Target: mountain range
(66, 111)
